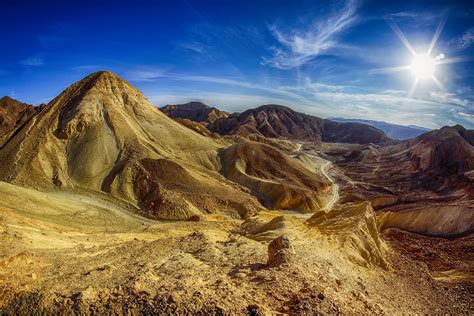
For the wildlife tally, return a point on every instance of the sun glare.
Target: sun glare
(423, 66)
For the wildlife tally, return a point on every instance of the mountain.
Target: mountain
(101, 134)
(13, 115)
(447, 151)
(194, 111)
(276, 121)
(395, 131)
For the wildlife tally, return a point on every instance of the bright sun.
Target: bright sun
(423, 66)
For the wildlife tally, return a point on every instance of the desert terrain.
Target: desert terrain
(110, 206)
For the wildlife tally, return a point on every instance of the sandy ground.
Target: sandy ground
(74, 251)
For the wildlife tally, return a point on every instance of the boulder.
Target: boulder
(280, 251)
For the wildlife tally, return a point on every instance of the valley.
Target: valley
(110, 206)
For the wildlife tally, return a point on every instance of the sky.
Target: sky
(327, 58)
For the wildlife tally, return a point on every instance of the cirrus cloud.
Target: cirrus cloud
(32, 61)
(298, 47)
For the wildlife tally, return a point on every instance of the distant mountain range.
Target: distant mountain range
(274, 121)
(395, 131)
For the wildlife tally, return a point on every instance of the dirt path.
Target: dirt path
(324, 167)
(324, 171)
(334, 187)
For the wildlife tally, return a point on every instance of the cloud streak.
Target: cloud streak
(463, 41)
(145, 74)
(32, 62)
(321, 99)
(298, 47)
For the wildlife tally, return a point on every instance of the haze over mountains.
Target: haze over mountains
(394, 131)
(111, 205)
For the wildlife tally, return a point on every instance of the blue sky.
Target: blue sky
(327, 58)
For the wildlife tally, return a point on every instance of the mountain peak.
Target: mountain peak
(6, 98)
(104, 74)
(273, 107)
(190, 106)
(195, 111)
(279, 121)
(7, 101)
(101, 77)
(105, 88)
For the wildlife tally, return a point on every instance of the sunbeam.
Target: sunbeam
(438, 31)
(454, 60)
(388, 70)
(413, 88)
(438, 83)
(423, 66)
(400, 35)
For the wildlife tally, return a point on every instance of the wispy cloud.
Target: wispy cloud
(298, 47)
(321, 99)
(463, 41)
(32, 61)
(418, 16)
(194, 47)
(229, 43)
(145, 74)
(150, 75)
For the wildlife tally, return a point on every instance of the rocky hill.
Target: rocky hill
(102, 134)
(194, 111)
(13, 115)
(277, 121)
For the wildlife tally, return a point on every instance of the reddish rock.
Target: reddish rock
(277, 121)
(13, 116)
(279, 251)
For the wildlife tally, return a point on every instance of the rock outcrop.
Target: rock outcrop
(13, 116)
(280, 251)
(356, 227)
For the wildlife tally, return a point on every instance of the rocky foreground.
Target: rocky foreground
(70, 252)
